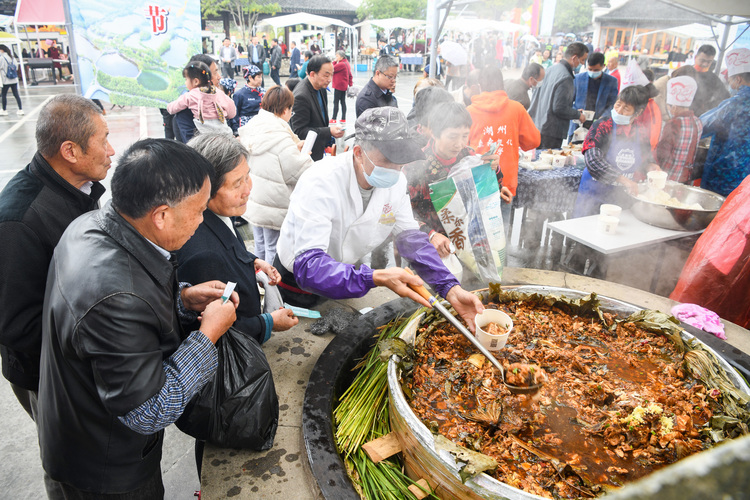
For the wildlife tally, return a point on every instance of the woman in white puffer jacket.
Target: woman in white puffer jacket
(275, 166)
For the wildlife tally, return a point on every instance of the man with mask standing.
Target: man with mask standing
(551, 106)
(728, 161)
(595, 91)
(349, 204)
(518, 90)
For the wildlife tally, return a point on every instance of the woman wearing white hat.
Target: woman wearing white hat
(728, 161)
(676, 150)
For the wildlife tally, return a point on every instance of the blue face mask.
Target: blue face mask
(620, 119)
(381, 177)
(595, 74)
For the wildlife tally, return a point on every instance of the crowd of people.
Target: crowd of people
(108, 347)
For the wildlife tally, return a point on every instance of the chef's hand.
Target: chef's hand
(399, 280)
(217, 318)
(198, 297)
(629, 185)
(273, 275)
(442, 244)
(283, 319)
(506, 195)
(466, 304)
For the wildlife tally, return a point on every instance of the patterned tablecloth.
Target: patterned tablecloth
(548, 190)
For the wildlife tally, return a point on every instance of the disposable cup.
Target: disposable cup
(657, 180)
(608, 224)
(546, 157)
(611, 210)
(558, 161)
(493, 342)
(589, 114)
(528, 155)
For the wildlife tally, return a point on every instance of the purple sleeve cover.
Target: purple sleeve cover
(317, 272)
(415, 246)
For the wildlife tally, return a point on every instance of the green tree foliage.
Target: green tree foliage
(244, 12)
(572, 16)
(383, 9)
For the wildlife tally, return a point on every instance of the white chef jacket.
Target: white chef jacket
(326, 212)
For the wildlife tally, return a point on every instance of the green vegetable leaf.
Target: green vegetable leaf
(474, 462)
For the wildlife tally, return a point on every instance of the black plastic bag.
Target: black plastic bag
(239, 407)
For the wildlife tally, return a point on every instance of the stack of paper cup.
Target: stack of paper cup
(657, 180)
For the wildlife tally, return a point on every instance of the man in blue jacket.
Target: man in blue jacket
(595, 91)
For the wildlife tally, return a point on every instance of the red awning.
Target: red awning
(40, 12)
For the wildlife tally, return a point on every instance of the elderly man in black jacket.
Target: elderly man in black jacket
(61, 183)
(378, 92)
(552, 105)
(310, 110)
(116, 366)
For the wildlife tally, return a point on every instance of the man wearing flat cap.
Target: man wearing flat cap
(349, 204)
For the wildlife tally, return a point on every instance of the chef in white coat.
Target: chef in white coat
(345, 206)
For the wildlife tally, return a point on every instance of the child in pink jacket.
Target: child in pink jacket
(211, 109)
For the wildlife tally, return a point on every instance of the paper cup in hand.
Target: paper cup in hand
(589, 114)
(483, 320)
(657, 180)
(309, 141)
(611, 210)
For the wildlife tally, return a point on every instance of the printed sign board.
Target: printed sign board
(133, 53)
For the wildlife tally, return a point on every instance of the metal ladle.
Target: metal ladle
(434, 302)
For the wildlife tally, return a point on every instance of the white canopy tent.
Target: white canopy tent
(473, 25)
(38, 13)
(302, 18)
(719, 12)
(314, 20)
(393, 23)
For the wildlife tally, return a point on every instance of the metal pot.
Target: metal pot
(440, 468)
(678, 219)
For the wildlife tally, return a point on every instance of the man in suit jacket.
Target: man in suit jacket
(295, 61)
(595, 91)
(228, 55)
(310, 110)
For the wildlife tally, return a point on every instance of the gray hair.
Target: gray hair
(222, 151)
(385, 62)
(66, 117)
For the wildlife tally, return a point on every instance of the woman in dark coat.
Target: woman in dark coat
(217, 250)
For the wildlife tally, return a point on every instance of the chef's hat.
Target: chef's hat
(738, 61)
(633, 76)
(681, 91)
